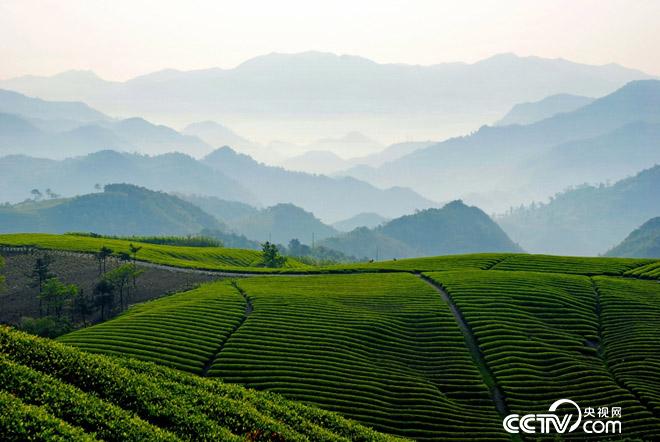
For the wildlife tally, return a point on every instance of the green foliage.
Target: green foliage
(171, 240)
(49, 390)
(382, 349)
(20, 422)
(2, 277)
(271, 256)
(46, 327)
(211, 258)
(631, 336)
(541, 339)
(318, 255)
(41, 271)
(121, 209)
(56, 294)
(181, 330)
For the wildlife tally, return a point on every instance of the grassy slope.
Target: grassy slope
(209, 258)
(49, 391)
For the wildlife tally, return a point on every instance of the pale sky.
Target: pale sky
(119, 39)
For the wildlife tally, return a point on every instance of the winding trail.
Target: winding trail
(248, 310)
(471, 342)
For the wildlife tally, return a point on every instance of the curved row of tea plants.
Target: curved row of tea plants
(206, 258)
(630, 318)
(383, 349)
(649, 271)
(539, 333)
(49, 391)
(183, 331)
(569, 264)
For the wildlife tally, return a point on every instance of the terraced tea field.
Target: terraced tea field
(631, 335)
(383, 349)
(49, 391)
(435, 348)
(541, 338)
(207, 258)
(182, 331)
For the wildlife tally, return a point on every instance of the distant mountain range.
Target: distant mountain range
(75, 176)
(587, 220)
(436, 101)
(279, 223)
(331, 199)
(643, 242)
(453, 229)
(119, 210)
(58, 130)
(498, 167)
(224, 174)
(528, 113)
(364, 219)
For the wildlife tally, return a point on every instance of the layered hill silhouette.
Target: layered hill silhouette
(454, 229)
(330, 199)
(62, 129)
(492, 165)
(528, 113)
(587, 220)
(643, 242)
(75, 176)
(324, 84)
(121, 209)
(364, 219)
(223, 174)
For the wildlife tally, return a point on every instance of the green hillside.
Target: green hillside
(441, 355)
(455, 228)
(643, 242)
(209, 258)
(282, 223)
(121, 209)
(49, 391)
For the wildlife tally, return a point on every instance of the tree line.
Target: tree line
(63, 305)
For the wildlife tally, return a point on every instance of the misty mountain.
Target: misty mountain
(51, 129)
(217, 135)
(75, 176)
(316, 161)
(527, 113)
(455, 228)
(587, 220)
(227, 212)
(328, 198)
(282, 223)
(328, 162)
(369, 220)
(490, 164)
(149, 138)
(643, 242)
(35, 108)
(20, 136)
(120, 209)
(436, 101)
(609, 157)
